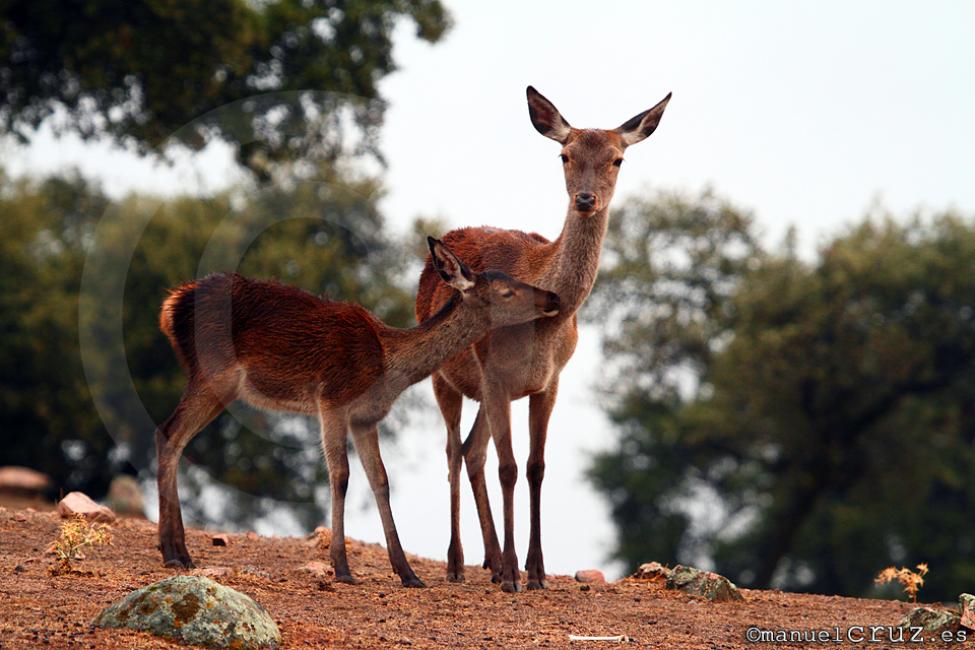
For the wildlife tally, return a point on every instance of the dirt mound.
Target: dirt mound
(38, 610)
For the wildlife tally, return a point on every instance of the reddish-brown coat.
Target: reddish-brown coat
(328, 349)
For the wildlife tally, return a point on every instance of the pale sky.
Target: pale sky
(804, 112)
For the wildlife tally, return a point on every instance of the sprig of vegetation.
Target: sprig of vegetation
(74, 535)
(911, 581)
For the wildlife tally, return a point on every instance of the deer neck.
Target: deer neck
(413, 354)
(575, 260)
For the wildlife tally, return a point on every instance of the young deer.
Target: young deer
(525, 360)
(279, 348)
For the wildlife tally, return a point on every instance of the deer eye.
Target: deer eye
(507, 293)
(618, 162)
(564, 158)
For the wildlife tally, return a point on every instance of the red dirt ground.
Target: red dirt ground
(38, 610)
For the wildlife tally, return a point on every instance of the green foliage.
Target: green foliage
(138, 71)
(332, 242)
(826, 428)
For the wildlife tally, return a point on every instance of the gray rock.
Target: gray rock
(932, 620)
(705, 584)
(197, 611)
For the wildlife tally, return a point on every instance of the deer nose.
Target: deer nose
(552, 304)
(585, 201)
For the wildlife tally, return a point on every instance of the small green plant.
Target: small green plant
(912, 581)
(74, 535)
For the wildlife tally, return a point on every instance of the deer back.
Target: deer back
(288, 346)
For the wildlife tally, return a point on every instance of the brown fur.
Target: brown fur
(525, 360)
(280, 348)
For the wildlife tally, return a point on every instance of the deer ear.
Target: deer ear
(546, 118)
(640, 126)
(451, 269)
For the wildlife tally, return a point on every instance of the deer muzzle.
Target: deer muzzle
(549, 303)
(585, 202)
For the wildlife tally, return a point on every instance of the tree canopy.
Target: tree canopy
(799, 423)
(149, 73)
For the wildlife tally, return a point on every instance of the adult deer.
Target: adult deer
(279, 348)
(525, 360)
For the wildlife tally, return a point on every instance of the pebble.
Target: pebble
(593, 576)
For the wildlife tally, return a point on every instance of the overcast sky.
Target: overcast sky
(804, 112)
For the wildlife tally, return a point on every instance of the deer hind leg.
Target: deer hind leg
(497, 407)
(196, 408)
(334, 444)
(366, 441)
(475, 455)
(539, 411)
(451, 402)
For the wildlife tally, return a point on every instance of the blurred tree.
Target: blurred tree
(823, 431)
(138, 71)
(333, 242)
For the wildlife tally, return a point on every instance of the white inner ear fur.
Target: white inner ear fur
(461, 283)
(559, 131)
(632, 137)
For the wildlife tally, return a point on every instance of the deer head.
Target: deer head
(502, 299)
(591, 158)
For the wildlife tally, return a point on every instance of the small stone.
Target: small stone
(20, 568)
(251, 535)
(220, 540)
(652, 571)
(79, 503)
(967, 604)
(317, 568)
(256, 571)
(212, 571)
(592, 576)
(320, 538)
(194, 610)
(125, 497)
(585, 588)
(706, 584)
(19, 516)
(931, 620)
(23, 481)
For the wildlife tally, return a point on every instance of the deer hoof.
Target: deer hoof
(536, 584)
(511, 587)
(455, 576)
(179, 563)
(347, 579)
(413, 582)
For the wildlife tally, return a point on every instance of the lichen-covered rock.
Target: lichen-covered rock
(197, 611)
(705, 584)
(967, 604)
(932, 620)
(652, 571)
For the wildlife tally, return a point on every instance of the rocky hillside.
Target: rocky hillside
(290, 578)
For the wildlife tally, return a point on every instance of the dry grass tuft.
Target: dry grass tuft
(912, 581)
(73, 536)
